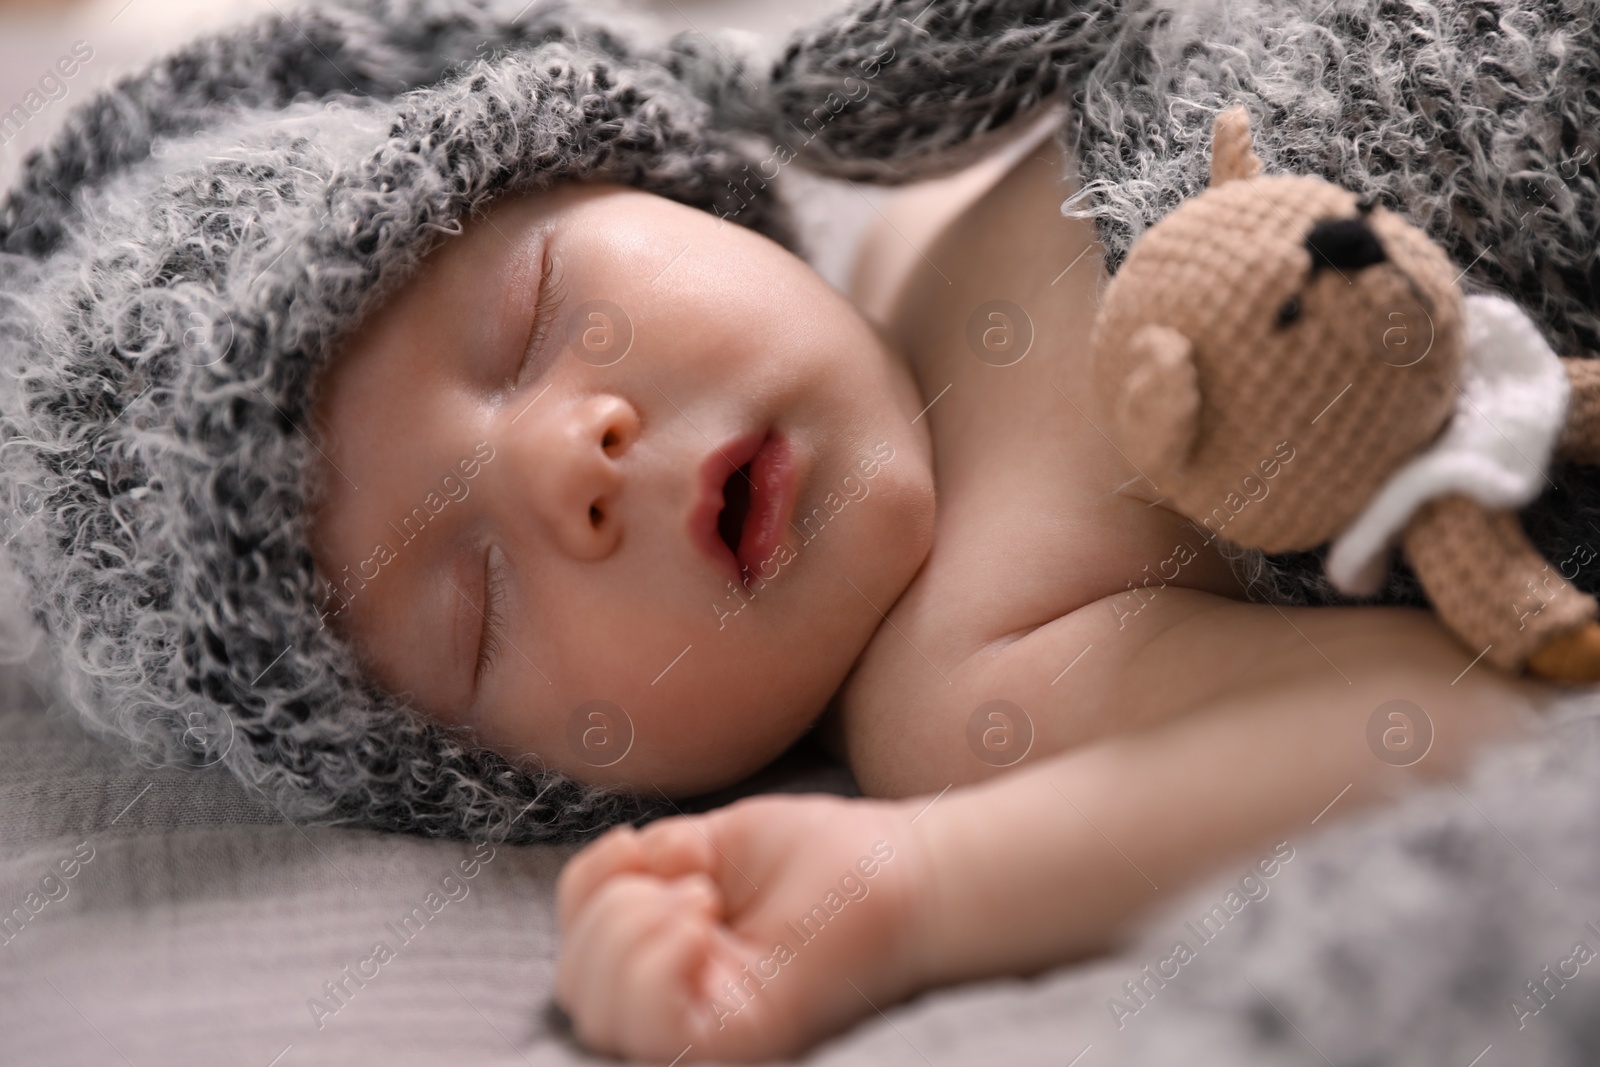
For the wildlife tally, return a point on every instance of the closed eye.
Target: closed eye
(552, 293)
(493, 632)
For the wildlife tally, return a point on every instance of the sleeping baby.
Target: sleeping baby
(482, 460)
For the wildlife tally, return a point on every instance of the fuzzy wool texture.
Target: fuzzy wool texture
(1422, 935)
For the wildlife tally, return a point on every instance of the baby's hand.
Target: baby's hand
(744, 934)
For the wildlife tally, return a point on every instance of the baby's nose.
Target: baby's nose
(584, 489)
(1344, 245)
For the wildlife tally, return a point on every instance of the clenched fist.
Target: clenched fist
(744, 934)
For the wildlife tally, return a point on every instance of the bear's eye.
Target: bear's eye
(1289, 313)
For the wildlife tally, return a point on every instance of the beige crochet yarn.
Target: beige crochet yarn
(1273, 352)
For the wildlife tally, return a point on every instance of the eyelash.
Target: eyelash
(552, 293)
(489, 640)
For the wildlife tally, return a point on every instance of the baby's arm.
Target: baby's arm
(1041, 865)
(1051, 862)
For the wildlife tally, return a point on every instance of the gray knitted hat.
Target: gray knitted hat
(177, 264)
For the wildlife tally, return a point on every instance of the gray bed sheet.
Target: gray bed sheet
(198, 926)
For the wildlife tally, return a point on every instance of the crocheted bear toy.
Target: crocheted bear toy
(1291, 366)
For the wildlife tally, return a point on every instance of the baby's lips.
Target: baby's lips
(772, 500)
(715, 470)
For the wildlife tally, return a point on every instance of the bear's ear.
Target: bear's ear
(1156, 412)
(1232, 155)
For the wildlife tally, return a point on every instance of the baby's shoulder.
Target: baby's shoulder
(1041, 531)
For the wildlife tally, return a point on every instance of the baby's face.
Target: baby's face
(619, 484)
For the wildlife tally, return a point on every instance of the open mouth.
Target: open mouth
(735, 508)
(747, 495)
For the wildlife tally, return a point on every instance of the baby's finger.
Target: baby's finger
(661, 988)
(615, 851)
(677, 847)
(667, 848)
(601, 946)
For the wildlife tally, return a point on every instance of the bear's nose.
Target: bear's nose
(1343, 245)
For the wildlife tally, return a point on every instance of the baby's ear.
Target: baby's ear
(1157, 409)
(1232, 154)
